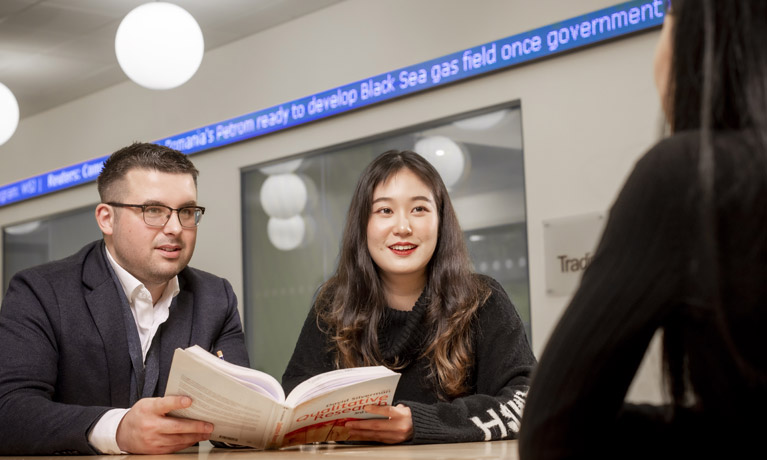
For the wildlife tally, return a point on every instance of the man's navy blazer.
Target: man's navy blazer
(64, 357)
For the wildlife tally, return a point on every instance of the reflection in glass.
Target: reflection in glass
(480, 159)
(54, 237)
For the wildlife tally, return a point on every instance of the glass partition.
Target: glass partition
(50, 238)
(294, 212)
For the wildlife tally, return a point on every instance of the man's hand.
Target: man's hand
(146, 429)
(397, 428)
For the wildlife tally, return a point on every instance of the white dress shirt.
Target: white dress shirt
(148, 318)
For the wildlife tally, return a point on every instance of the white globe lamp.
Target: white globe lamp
(159, 45)
(482, 122)
(284, 195)
(22, 229)
(445, 155)
(286, 234)
(283, 167)
(9, 114)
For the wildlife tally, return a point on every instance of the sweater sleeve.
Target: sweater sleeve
(503, 364)
(634, 280)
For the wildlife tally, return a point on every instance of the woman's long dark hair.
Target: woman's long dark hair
(352, 302)
(718, 82)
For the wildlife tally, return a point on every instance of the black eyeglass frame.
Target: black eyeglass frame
(170, 210)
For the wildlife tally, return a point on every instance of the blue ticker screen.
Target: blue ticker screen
(598, 26)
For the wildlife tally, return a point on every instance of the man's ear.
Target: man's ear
(105, 218)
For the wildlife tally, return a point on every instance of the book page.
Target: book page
(238, 414)
(329, 381)
(323, 418)
(257, 380)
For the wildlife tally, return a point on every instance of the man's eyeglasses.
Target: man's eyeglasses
(157, 215)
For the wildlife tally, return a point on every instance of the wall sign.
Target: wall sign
(568, 246)
(577, 32)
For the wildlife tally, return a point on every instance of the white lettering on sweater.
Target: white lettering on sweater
(511, 411)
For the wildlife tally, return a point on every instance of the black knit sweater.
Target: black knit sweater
(498, 381)
(647, 275)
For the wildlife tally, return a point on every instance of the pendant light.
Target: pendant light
(159, 45)
(9, 114)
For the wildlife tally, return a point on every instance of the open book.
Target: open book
(249, 407)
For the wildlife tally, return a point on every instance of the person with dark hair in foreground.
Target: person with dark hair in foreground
(404, 296)
(684, 252)
(86, 342)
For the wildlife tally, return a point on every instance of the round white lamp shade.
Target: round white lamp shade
(22, 229)
(286, 234)
(9, 114)
(282, 168)
(284, 195)
(159, 45)
(445, 155)
(482, 122)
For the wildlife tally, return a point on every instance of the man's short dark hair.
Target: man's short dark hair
(143, 156)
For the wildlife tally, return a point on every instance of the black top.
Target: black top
(646, 275)
(498, 381)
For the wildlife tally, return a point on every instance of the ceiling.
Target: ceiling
(55, 51)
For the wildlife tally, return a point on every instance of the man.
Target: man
(86, 342)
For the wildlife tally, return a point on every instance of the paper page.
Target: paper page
(323, 418)
(329, 381)
(257, 380)
(239, 415)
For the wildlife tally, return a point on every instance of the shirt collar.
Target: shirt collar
(131, 286)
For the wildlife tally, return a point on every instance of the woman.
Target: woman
(404, 296)
(684, 252)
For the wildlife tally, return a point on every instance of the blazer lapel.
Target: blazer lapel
(104, 303)
(176, 331)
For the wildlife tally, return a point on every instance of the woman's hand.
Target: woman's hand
(397, 428)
